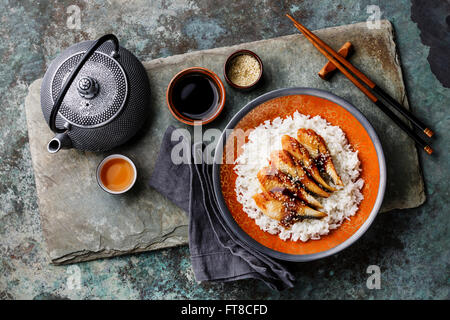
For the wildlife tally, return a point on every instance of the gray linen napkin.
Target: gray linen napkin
(216, 253)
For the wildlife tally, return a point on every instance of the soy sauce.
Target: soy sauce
(195, 96)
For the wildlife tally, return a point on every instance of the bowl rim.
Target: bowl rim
(220, 87)
(226, 214)
(234, 55)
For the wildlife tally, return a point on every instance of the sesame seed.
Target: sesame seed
(244, 70)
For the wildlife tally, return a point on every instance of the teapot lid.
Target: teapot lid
(98, 93)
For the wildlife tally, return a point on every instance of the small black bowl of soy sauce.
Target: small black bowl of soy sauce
(195, 96)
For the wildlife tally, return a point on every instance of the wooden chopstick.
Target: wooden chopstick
(391, 101)
(360, 86)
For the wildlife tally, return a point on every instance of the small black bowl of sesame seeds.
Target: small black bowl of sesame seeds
(243, 70)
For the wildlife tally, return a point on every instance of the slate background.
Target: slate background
(411, 247)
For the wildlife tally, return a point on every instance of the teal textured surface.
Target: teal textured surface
(411, 247)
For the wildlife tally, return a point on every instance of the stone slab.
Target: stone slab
(81, 222)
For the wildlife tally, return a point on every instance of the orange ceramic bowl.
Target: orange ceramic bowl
(207, 73)
(360, 134)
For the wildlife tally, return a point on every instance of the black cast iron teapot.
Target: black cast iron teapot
(95, 96)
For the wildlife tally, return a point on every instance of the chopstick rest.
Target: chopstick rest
(329, 68)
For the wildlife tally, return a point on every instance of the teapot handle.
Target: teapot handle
(74, 73)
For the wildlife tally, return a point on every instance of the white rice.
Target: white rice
(342, 204)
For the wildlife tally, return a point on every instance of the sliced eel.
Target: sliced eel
(273, 180)
(302, 155)
(318, 149)
(285, 209)
(285, 163)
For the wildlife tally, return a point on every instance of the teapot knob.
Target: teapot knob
(87, 87)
